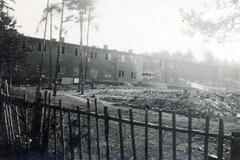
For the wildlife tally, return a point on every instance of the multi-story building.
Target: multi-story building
(106, 65)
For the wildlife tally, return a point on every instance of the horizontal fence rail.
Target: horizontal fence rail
(55, 132)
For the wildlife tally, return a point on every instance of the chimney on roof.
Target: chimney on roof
(93, 46)
(62, 39)
(130, 51)
(54, 39)
(105, 46)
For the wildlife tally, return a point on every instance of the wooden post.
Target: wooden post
(206, 138)
(48, 130)
(146, 134)
(36, 124)
(18, 122)
(96, 111)
(107, 133)
(25, 110)
(89, 130)
(44, 124)
(132, 135)
(190, 134)
(9, 115)
(79, 132)
(160, 135)
(55, 133)
(220, 140)
(121, 134)
(61, 128)
(174, 136)
(70, 135)
(8, 131)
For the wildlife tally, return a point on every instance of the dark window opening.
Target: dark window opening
(63, 49)
(96, 54)
(39, 47)
(76, 52)
(121, 74)
(91, 54)
(106, 56)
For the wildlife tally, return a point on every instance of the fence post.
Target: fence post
(160, 135)
(189, 134)
(121, 135)
(206, 138)
(146, 133)
(26, 117)
(220, 139)
(132, 135)
(55, 133)
(107, 133)
(96, 112)
(36, 123)
(79, 132)
(70, 135)
(61, 128)
(174, 135)
(235, 146)
(44, 124)
(89, 130)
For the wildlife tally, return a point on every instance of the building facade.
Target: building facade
(114, 66)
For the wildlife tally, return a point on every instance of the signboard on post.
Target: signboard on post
(93, 72)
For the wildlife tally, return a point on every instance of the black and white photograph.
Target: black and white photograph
(120, 79)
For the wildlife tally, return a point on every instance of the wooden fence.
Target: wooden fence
(57, 132)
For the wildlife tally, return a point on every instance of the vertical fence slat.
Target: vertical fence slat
(70, 135)
(10, 120)
(160, 138)
(26, 117)
(96, 111)
(55, 133)
(132, 134)
(17, 115)
(61, 128)
(44, 136)
(107, 133)
(8, 131)
(48, 131)
(146, 134)
(206, 138)
(190, 134)
(220, 140)
(18, 122)
(121, 134)
(79, 133)
(174, 136)
(48, 124)
(89, 130)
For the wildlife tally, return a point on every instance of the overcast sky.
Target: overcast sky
(144, 26)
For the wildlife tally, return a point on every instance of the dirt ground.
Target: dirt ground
(217, 105)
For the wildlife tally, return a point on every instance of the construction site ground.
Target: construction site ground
(215, 104)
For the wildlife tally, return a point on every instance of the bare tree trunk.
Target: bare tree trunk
(60, 51)
(43, 48)
(88, 28)
(81, 76)
(50, 53)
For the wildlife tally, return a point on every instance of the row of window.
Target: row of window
(201, 81)
(188, 67)
(61, 70)
(93, 53)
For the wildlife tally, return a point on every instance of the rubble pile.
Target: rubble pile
(214, 104)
